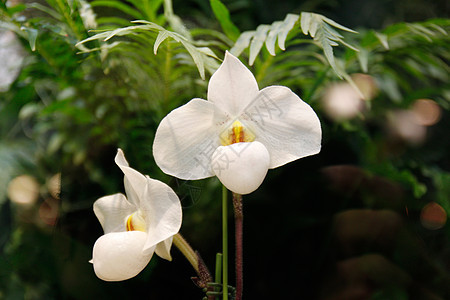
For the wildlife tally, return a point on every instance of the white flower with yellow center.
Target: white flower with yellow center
(135, 226)
(238, 133)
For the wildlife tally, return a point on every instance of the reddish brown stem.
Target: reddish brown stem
(239, 220)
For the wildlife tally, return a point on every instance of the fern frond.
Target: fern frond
(408, 58)
(200, 55)
(317, 26)
(278, 29)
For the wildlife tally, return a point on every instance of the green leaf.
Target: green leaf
(45, 9)
(199, 55)
(305, 22)
(223, 16)
(349, 79)
(265, 33)
(439, 28)
(149, 8)
(196, 56)
(31, 36)
(207, 51)
(120, 6)
(162, 35)
(363, 58)
(336, 25)
(154, 5)
(11, 11)
(257, 42)
(242, 43)
(422, 30)
(383, 39)
(272, 37)
(317, 26)
(286, 27)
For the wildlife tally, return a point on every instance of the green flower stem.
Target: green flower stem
(239, 222)
(225, 243)
(218, 274)
(186, 250)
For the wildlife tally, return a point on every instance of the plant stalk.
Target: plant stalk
(239, 260)
(186, 250)
(224, 243)
(218, 274)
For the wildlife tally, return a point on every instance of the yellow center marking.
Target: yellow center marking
(135, 222)
(236, 134)
(129, 223)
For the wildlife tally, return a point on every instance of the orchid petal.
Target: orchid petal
(185, 140)
(162, 211)
(232, 87)
(241, 167)
(287, 126)
(118, 256)
(112, 211)
(134, 181)
(163, 249)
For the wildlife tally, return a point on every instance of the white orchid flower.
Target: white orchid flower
(238, 133)
(135, 226)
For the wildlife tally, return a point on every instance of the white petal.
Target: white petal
(186, 139)
(232, 87)
(162, 212)
(241, 167)
(287, 126)
(112, 211)
(134, 181)
(163, 249)
(119, 256)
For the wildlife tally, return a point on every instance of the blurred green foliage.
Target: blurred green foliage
(92, 81)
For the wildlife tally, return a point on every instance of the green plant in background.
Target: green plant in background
(100, 75)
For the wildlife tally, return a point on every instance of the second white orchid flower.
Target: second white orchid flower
(239, 133)
(135, 227)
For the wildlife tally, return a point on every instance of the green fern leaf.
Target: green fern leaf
(320, 28)
(383, 40)
(162, 36)
(200, 55)
(242, 42)
(286, 27)
(32, 34)
(363, 58)
(272, 37)
(45, 9)
(438, 28)
(267, 34)
(337, 25)
(258, 41)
